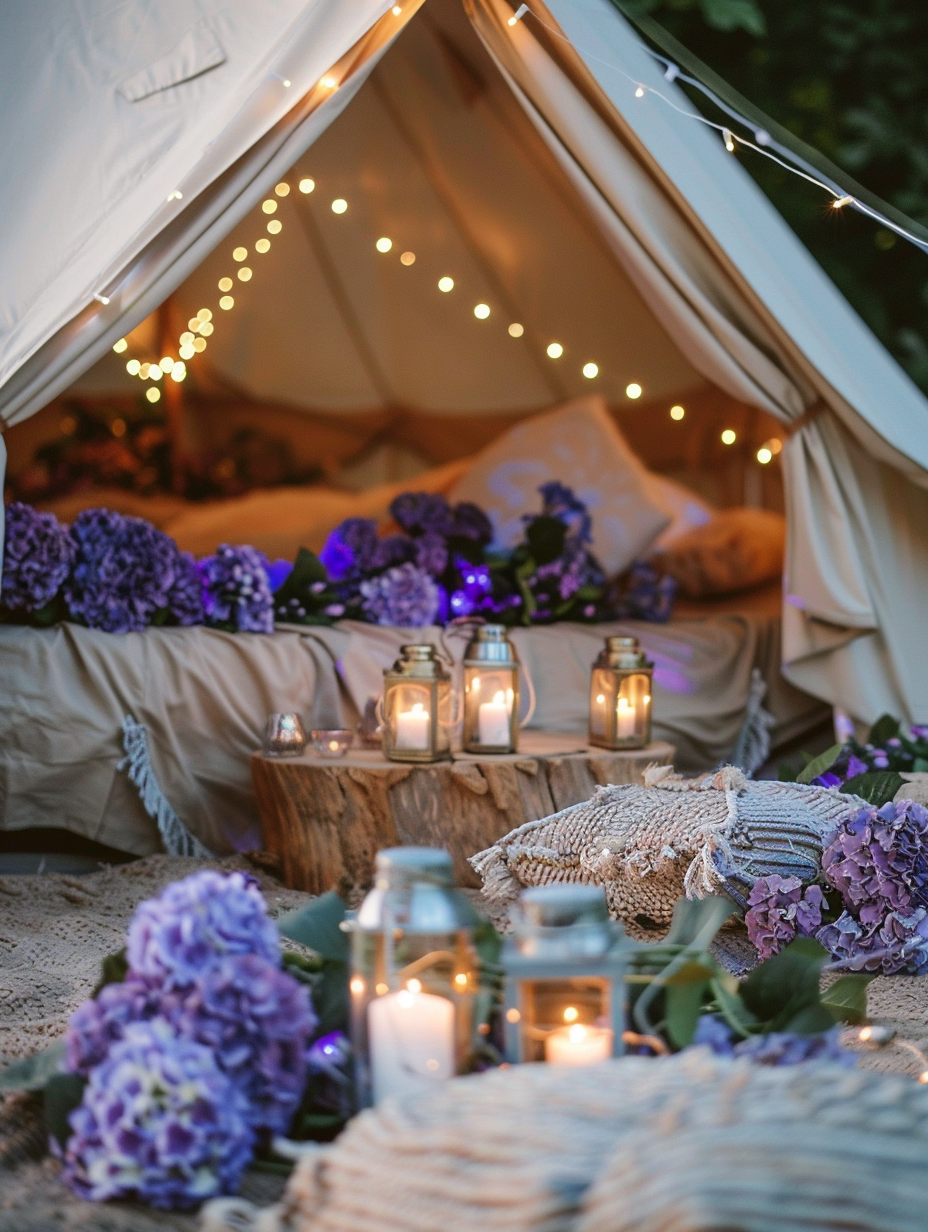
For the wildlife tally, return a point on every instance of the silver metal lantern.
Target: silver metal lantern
(417, 707)
(491, 692)
(565, 964)
(413, 976)
(620, 696)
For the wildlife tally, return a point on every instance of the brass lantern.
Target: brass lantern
(565, 964)
(491, 692)
(417, 707)
(413, 976)
(620, 696)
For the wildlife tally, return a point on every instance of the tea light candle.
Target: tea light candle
(412, 728)
(578, 1045)
(493, 720)
(411, 1042)
(625, 718)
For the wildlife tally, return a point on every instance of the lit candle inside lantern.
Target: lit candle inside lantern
(625, 718)
(412, 728)
(578, 1045)
(411, 1042)
(493, 720)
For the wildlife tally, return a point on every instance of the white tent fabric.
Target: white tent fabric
(718, 278)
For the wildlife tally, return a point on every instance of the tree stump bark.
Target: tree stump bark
(326, 820)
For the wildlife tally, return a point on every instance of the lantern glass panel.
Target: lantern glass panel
(417, 719)
(491, 708)
(556, 1005)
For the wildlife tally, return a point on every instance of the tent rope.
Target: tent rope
(753, 745)
(177, 839)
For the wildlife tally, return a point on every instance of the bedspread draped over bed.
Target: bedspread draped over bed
(203, 697)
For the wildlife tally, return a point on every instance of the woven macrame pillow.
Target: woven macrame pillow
(649, 845)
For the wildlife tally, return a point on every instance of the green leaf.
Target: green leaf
(786, 773)
(696, 921)
(885, 728)
(63, 1093)
(318, 926)
(846, 998)
(545, 536)
(920, 765)
(306, 970)
(818, 765)
(813, 1020)
(32, 1073)
(876, 786)
(113, 970)
(732, 1008)
(780, 988)
(730, 15)
(685, 995)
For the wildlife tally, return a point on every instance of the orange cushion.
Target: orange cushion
(736, 549)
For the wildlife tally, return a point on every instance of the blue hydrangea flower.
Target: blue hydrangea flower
(277, 573)
(432, 553)
(194, 923)
(775, 1048)
(423, 513)
(96, 1025)
(470, 522)
(123, 572)
(350, 549)
(405, 596)
(160, 1122)
(236, 590)
(37, 555)
(778, 909)
(559, 501)
(185, 598)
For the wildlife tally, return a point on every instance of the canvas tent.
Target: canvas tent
(146, 138)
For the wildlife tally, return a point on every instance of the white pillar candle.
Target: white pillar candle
(411, 1042)
(625, 718)
(493, 720)
(578, 1045)
(412, 728)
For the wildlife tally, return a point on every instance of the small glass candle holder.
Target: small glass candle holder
(284, 736)
(620, 696)
(564, 964)
(491, 693)
(332, 742)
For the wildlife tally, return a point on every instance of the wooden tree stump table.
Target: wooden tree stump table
(324, 820)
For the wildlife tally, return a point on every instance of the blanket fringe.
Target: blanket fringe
(753, 745)
(177, 839)
(499, 885)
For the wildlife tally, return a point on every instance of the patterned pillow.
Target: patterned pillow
(736, 549)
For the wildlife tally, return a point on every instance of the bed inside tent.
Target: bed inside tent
(427, 279)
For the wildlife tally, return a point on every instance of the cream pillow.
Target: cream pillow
(685, 509)
(579, 445)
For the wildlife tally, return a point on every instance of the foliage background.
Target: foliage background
(850, 78)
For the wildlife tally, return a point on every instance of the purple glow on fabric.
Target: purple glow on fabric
(673, 679)
(796, 601)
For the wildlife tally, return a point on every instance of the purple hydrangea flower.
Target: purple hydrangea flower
(159, 1121)
(257, 1021)
(432, 554)
(196, 922)
(877, 858)
(236, 590)
(350, 549)
(404, 596)
(899, 944)
(715, 1033)
(392, 550)
(185, 598)
(559, 501)
(775, 1048)
(123, 572)
(37, 555)
(778, 909)
(423, 512)
(854, 767)
(277, 573)
(470, 522)
(100, 1022)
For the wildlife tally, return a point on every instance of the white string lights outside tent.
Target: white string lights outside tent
(762, 144)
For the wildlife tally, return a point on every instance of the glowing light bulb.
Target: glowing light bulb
(176, 195)
(244, 274)
(555, 350)
(194, 323)
(357, 985)
(153, 394)
(764, 455)
(186, 338)
(446, 284)
(120, 346)
(590, 371)
(132, 367)
(384, 244)
(206, 329)
(328, 82)
(204, 315)
(166, 364)
(481, 311)
(571, 1014)
(179, 371)
(513, 1015)
(396, 10)
(275, 226)
(225, 284)
(633, 390)
(639, 93)
(227, 302)
(199, 344)
(838, 204)
(381, 989)
(187, 351)
(516, 330)
(261, 245)
(677, 412)
(460, 979)
(729, 140)
(144, 371)
(269, 206)
(239, 254)
(729, 436)
(414, 985)
(517, 15)
(282, 189)
(408, 258)
(155, 373)
(775, 445)
(307, 185)
(286, 82)
(339, 205)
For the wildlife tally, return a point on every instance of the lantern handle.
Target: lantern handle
(452, 722)
(532, 699)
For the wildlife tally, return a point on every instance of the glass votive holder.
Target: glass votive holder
(284, 736)
(332, 742)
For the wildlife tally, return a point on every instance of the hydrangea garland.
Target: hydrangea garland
(120, 574)
(774, 1048)
(226, 1036)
